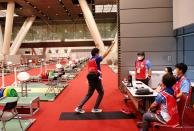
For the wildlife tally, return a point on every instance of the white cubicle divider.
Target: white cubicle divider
(155, 80)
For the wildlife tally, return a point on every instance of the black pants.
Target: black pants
(145, 81)
(151, 117)
(94, 84)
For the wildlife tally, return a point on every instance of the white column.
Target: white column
(44, 52)
(115, 47)
(1, 40)
(92, 25)
(21, 35)
(68, 51)
(8, 26)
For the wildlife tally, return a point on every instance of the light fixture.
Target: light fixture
(66, 10)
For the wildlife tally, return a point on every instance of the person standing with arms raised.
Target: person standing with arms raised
(94, 77)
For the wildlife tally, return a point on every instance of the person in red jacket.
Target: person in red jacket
(183, 85)
(164, 109)
(143, 70)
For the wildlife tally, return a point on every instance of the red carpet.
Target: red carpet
(48, 116)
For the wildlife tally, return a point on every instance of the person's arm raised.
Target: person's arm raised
(108, 50)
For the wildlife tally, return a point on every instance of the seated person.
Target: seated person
(165, 100)
(160, 85)
(182, 85)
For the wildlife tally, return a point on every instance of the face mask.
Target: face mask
(140, 58)
(174, 73)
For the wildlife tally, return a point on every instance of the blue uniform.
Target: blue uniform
(161, 100)
(148, 64)
(98, 60)
(185, 86)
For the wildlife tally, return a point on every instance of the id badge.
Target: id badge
(138, 70)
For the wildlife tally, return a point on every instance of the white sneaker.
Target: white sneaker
(78, 110)
(96, 110)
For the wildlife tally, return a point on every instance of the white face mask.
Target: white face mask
(174, 72)
(140, 58)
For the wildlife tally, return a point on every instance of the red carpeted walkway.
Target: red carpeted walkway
(48, 116)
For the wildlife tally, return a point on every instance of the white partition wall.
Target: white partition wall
(183, 13)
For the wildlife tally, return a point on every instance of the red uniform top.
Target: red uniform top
(92, 66)
(140, 69)
(172, 109)
(177, 88)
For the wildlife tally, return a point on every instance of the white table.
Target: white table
(137, 98)
(156, 78)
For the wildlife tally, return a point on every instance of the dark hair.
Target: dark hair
(94, 51)
(168, 80)
(181, 66)
(169, 70)
(141, 53)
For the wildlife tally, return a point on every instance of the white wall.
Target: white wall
(183, 13)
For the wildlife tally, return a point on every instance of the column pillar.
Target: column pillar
(1, 40)
(92, 25)
(8, 26)
(21, 35)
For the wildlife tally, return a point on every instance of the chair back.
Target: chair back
(10, 105)
(182, 107)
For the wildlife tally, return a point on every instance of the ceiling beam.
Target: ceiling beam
(62, 44)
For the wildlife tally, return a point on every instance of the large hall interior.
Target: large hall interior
(100, 65)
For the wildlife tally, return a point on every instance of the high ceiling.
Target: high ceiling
(57, 11)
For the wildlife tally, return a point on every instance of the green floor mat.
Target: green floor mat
(38, 85)
(39, 89)
(43, 97)
(13, 125)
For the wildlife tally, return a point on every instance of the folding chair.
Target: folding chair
(8, 113)
(53, 84)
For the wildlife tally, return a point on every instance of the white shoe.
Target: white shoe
(78, 110)
(96, 110)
